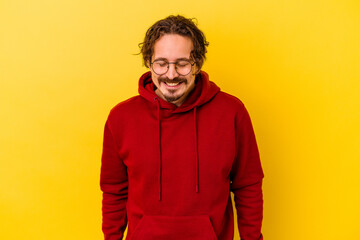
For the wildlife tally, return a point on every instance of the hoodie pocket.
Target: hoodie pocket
(174, 227)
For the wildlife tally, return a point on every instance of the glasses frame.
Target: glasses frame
(168, 66)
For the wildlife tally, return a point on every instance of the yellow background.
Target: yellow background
(64, 64)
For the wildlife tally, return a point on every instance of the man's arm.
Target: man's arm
(246, 176)
(114, 184)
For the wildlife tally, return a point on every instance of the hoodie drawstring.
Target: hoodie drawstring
(195, 143)
(196, 153)
(159, 137)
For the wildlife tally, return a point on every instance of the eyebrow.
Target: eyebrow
(178, 59)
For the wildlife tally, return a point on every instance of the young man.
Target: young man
(172, 155)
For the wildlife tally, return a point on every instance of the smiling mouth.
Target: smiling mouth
(171, 84)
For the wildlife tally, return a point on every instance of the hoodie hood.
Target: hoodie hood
(203, 92)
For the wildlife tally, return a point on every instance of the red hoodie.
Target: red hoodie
(168, 171)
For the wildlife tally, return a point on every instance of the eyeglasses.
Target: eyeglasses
(182, 67)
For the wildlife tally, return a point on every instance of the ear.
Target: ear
(197, 70)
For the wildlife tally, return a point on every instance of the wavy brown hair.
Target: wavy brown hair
(175, 25)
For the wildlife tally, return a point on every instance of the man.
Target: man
(172, 155)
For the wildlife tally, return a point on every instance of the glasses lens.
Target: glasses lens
(160, 67)
(183, 67)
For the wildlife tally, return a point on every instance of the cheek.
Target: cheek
(156, 83)
(154, 79)
(192, 82)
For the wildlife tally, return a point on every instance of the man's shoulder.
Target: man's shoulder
(130, 102)
(229, 101)
(127, 106)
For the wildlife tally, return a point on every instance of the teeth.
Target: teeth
(172, 84)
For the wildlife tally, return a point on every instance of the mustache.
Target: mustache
(174, 80)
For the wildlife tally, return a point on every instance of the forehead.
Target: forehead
(172, 47)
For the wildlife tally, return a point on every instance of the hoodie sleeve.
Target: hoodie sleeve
(114, 185)
(246, 179)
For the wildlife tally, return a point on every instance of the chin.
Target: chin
(172, 98)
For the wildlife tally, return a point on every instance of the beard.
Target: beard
(172, 97)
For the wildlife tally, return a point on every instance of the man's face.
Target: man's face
(172, 48)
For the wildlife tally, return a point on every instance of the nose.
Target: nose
(171, 73)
